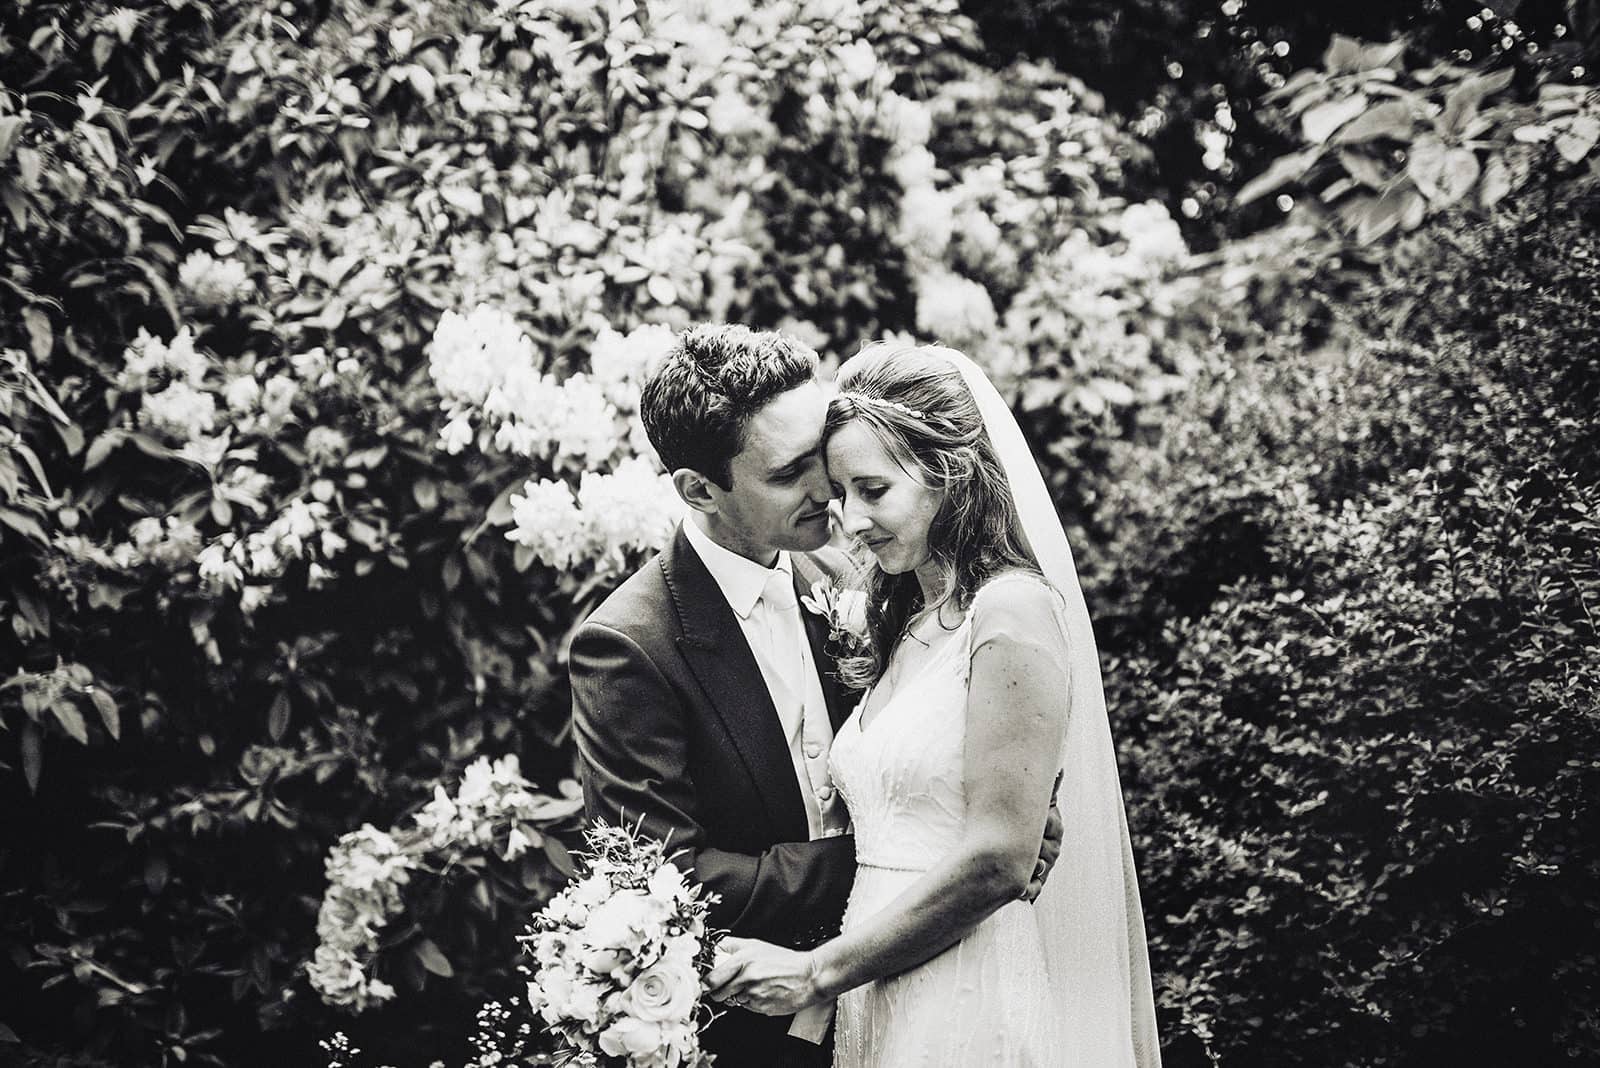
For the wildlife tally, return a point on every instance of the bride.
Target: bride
(982, 687)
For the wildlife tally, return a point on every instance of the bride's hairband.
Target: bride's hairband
(880, 402)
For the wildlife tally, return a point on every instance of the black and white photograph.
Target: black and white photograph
(799, 533)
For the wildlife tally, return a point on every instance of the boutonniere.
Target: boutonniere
(844, 609)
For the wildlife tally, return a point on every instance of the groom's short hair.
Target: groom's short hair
(698, 401)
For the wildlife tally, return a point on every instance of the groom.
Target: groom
(703, 702)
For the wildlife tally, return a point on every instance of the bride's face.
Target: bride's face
(887, 506)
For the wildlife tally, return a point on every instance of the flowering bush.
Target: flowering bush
(494, 813)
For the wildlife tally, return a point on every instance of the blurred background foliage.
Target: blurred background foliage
(320, 332)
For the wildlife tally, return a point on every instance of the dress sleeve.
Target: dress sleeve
(1019, 608)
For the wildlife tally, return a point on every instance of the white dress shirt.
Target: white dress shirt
(763, 601)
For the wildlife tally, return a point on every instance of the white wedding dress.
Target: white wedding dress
(1060, 982)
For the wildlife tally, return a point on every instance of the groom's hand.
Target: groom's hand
(1049, 849)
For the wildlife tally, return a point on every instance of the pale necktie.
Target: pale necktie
(783, 628)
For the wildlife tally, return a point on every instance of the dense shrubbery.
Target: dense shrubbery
(1355, 649)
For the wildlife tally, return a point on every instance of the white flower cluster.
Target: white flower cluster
(170, 543)
(486, 369)
(618, 959)
(632, 509)
(148, 360)
(950, 307)
(1152, 234)
(299, 531)
(214, 283)
(620, 363)
(493, 799)
(367, 870)
(956, 310)
(182, 409)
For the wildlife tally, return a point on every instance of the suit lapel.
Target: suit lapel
(714, 647)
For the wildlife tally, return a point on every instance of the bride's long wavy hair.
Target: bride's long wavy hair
(917, 405)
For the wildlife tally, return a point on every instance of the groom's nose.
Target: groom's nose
(818, 490)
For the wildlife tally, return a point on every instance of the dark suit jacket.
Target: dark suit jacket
(674, 726)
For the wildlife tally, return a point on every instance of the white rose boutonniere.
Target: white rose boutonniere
(844, 608)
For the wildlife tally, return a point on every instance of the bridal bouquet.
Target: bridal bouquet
(621, 957)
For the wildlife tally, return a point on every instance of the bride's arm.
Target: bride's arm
(1016, 719)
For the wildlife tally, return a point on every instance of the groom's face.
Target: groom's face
(779, 498)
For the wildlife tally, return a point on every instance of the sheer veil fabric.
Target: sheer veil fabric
(1096, 955)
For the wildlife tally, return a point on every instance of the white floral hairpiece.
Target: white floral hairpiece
(883, 403)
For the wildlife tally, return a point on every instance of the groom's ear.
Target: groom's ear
(695, 489)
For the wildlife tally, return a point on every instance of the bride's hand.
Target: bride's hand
(759, 976)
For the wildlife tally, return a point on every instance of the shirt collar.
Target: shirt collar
(740, 579)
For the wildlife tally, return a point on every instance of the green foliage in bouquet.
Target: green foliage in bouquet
(1350, 621)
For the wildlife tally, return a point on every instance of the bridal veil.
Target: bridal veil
(1090, 912)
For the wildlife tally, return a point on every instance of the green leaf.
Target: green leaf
(16, 205)
(559, 857)
(1462, 102)
(32, 755)
(107, 707)
(1343, 54)
(156, 873)
(1281, 172)
(8, 1035)
(1321, 122)
(426, 493)
(71, 438)
(31, 458)
(10, 132)
(101, 447)
(431, 958)
(1443, 173)
(1375, 217)
(71, 720)
(1364, 169)
(278, 716)
(99, 139)
(500, 511)
(151, 447)
(1391, 119)
(1497, 182)
(1576, 138)
(162, 288)
(1380, 56)
(23, 524)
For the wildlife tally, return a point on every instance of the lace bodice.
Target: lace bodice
(900, 774)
